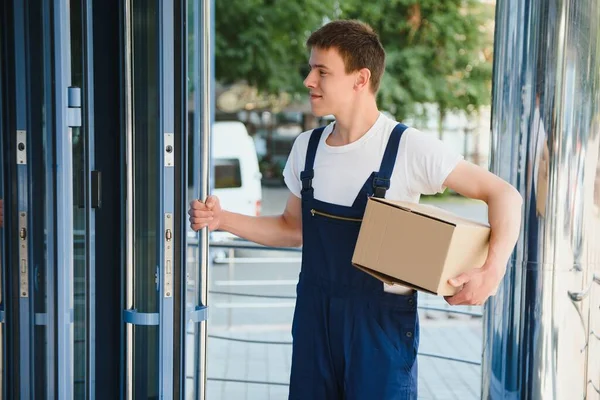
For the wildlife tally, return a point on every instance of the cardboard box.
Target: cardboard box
(418, 245)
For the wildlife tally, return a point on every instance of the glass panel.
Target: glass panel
(146, 194)
(80, 207)
(40, 167)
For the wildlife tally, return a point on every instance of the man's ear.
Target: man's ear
(363, 79)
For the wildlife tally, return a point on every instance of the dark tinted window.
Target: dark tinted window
(227, 173)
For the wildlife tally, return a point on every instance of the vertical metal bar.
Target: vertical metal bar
(167, 157)
(206, 85)
(129, 195)
(21, 102)
(3, 352)
(191, 296)
(64, 204)
(88, 104)
(230, 277)
(49, 204)
(64, 208)
(184, 82)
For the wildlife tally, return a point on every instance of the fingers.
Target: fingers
(459, 280)
(200, 215)
(209, 204)
(211, 201)
(463, 297)
(198, 205)
(203, 213)
(466, 297)
(453, 300)
(197, 227)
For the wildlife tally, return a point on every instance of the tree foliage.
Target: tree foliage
(437, 51)
(262, 42)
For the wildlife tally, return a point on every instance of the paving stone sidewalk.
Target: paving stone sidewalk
(439, 379)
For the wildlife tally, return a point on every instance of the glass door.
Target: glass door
(40, 113)
(51, 193)
(143, 199)
(151, 286)
(198, 101)
(86, 198)
(46, 182)
(167, 122)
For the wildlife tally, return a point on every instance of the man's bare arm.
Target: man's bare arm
(504, 215)
(283, 230)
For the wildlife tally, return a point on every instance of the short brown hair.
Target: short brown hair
(357, 43)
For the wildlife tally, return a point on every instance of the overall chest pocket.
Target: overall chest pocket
(337, 235)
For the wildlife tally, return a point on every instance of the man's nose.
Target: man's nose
(309, 82)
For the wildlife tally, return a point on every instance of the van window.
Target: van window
(227, 173)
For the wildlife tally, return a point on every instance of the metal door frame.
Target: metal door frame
(166, 218)
(87, 115)
(3, 258)
(167, 205)
(21, 134)
(172, 221)
(67, 115)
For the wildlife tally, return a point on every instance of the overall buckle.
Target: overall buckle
(380, 186)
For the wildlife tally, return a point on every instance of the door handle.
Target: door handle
(579, 296)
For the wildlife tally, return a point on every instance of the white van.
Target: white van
(237, 177)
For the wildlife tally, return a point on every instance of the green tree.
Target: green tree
(262, 42)
(437, 52)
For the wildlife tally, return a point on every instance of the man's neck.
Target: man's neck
(352, 124)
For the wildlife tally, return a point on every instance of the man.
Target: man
(353, 338)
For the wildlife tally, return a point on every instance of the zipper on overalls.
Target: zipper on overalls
(322, 214)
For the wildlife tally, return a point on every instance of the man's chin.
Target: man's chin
(319, 113)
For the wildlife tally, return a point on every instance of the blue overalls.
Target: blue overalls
(352, 340)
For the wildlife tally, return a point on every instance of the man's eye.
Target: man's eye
(322, 73)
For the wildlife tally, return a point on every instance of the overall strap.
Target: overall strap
(308, 174)
(381, 182)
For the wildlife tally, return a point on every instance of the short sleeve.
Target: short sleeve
(429, 161)
(291, 172)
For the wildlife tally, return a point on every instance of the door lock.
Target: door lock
(21, 147)
(23, 261)
(168, 270)
(169, 150)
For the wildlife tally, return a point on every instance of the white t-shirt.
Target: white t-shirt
(422, 164)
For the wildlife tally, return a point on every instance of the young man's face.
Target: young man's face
(331, 88)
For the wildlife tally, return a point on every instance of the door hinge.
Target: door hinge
(73, 106)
